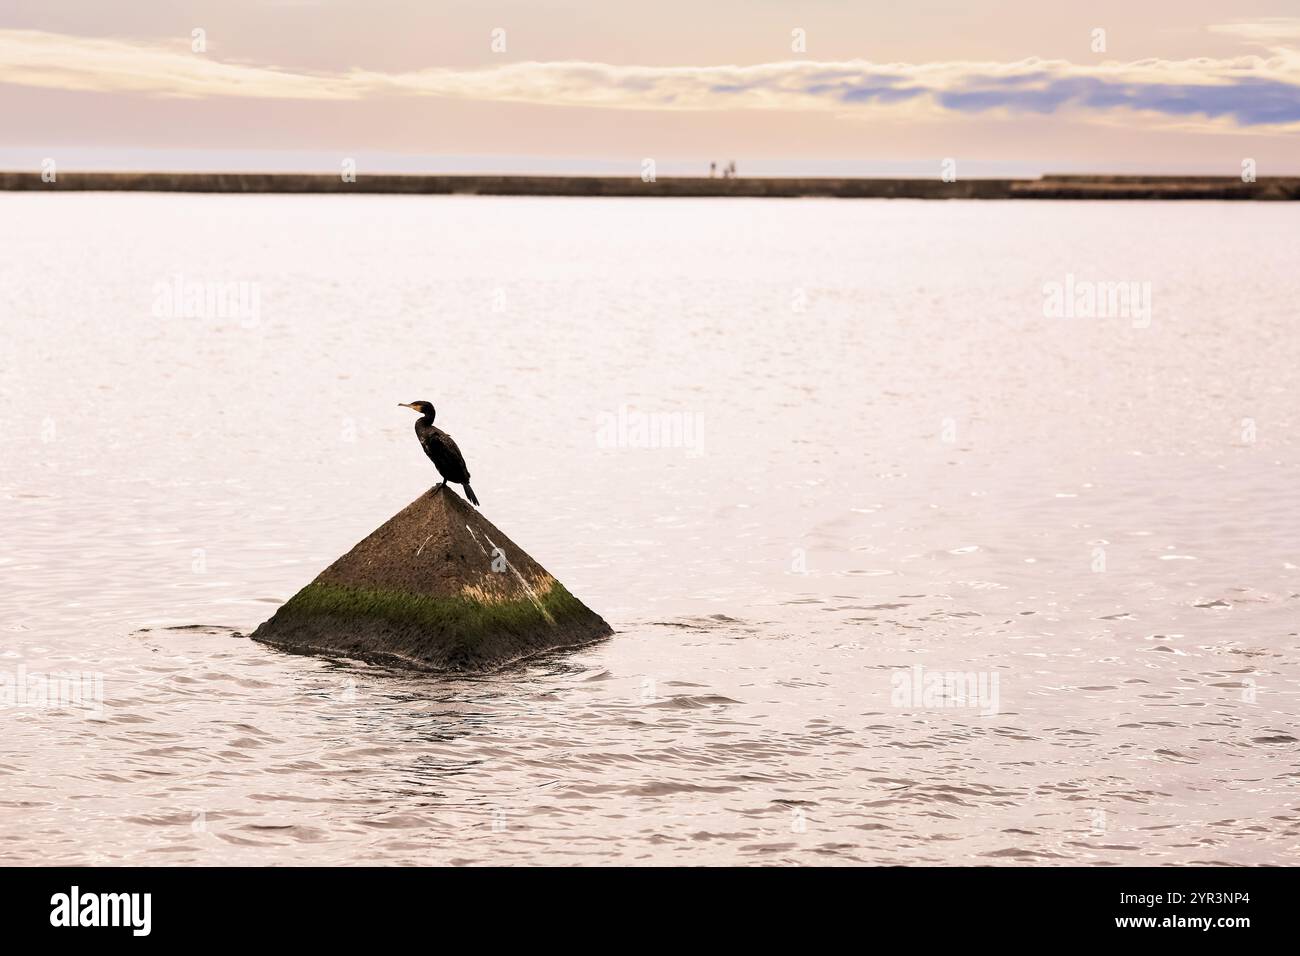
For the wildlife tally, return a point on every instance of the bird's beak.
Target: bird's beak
(404, 405)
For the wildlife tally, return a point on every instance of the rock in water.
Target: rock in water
(436, 587)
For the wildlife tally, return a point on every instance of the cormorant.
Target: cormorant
(442, 451)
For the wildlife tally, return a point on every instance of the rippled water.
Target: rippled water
(895, 460)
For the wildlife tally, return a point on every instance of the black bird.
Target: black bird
(442, 451)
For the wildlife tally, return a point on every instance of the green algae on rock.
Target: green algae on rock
(436, 587)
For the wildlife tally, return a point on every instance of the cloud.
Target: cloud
(1271, 31)
(90, 64)
(1247, 101)
(1233, 93)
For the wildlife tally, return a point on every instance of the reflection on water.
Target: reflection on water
(899, 474)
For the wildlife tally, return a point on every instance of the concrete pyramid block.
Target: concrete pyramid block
(435, 587)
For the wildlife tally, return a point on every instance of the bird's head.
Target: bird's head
(424, 408)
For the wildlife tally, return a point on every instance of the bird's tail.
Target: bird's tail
(469, 493)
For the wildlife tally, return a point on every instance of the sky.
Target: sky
(817, 87)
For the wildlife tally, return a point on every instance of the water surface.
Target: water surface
(893, 460)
